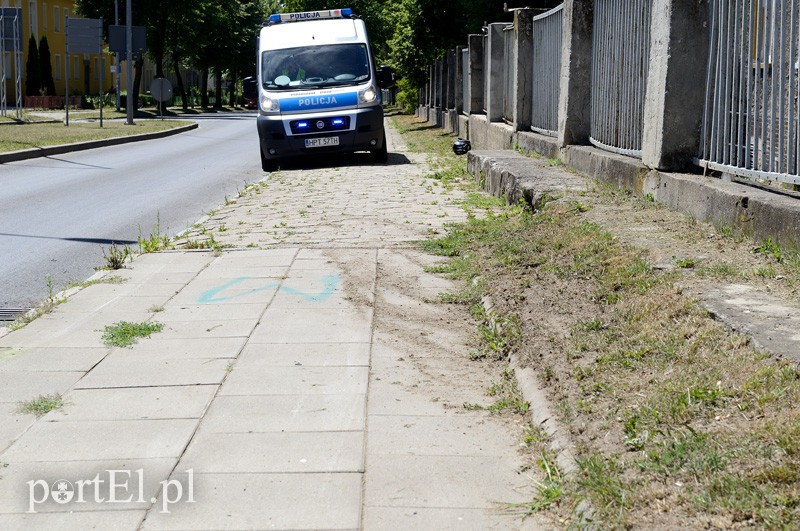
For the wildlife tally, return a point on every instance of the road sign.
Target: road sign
(12, 40)
(161, 89)
(84, 35)
(117, 38)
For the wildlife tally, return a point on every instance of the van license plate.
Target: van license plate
(322, 142)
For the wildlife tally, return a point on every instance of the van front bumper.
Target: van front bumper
(277, 141)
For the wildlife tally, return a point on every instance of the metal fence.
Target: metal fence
(547, 32)
(750, 121)
(620, 57)
(509, 70)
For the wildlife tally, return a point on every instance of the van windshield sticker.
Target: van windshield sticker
(306, 103)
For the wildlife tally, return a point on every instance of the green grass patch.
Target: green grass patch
(41, 405)
(126, 334)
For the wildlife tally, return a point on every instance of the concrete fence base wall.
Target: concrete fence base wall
(757, 213)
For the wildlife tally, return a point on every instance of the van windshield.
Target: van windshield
(318, 66)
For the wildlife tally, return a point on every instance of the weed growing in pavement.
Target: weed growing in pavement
(105, 280)
(155, 241)
(156, 309)
(126, 334)
(116, 256)
(41, 404)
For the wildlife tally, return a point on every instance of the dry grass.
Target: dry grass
(676, 418)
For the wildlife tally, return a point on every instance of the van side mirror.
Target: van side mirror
(385, 77)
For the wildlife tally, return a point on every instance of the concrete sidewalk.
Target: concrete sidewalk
(301, 380)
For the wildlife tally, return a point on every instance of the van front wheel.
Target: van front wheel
(381, 154)
(267, 165)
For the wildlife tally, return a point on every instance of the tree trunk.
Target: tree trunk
(218, 88)
(181, 88)
(232, 89)
(204, 88)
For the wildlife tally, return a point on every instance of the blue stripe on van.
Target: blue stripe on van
(307, 103)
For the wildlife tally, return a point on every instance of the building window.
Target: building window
(44, 17)
(56, 19)
(58, 67)
(33, 24)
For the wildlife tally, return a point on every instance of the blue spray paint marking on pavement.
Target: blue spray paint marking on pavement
(330, 283)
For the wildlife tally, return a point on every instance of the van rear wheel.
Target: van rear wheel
(381, 154)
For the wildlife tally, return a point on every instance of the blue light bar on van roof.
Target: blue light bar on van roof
(310, 15)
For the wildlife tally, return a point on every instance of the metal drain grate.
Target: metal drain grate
(10, 314)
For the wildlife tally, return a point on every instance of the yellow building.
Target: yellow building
(47, 17)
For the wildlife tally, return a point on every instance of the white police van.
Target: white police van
(319, 89)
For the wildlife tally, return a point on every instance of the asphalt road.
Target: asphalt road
(57, 214)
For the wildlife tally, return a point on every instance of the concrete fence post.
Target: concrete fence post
(523, 79)
(460, 66)
(475, 71)
(451, 79)
(673, 107)
(575, 89)
(494, 72)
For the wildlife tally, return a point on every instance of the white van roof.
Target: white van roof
(316, 32)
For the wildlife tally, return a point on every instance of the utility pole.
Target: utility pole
(129, 60)
(117, 70)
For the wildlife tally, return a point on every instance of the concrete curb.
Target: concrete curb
(541, 414)
(26, 154)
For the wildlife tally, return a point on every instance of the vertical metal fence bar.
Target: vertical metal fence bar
(782, 88)
(751, 85)
(741, 61)
(772, 92)
(706, 123)
(791, 163)
(718, 87)
(728, 85)
(764, 86)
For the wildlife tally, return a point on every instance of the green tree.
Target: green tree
(48, 84)
(33, 76)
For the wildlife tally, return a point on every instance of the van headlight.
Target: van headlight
(269, 104)
(368, 95)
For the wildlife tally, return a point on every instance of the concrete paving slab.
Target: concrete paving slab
(314, 326)
(101, 440)
(473, 434)
(72, 521)
(205, 312)
(137, 276)
(119, 370)
(407, 391)
(12, 425)
(54, 359)
(214, 328)
(297, 380)
(444, 481)
(42, 334)
(462, 518)
(135, 403)
(244, 266)
(17, 386)
(135, 304)
(136, 479)
(194, 258)
(259, 357)
(266, 501)
(294, 452)
(213, 347)
(285, 413)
